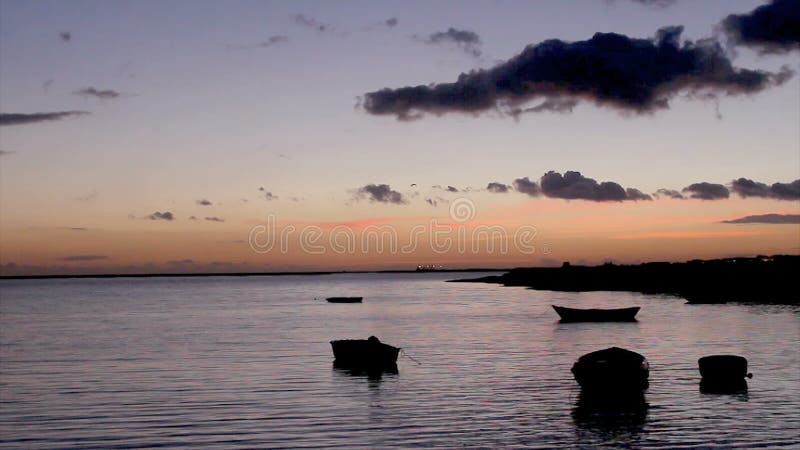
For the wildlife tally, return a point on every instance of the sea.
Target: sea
(246, 362)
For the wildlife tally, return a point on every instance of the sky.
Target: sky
(211, 136)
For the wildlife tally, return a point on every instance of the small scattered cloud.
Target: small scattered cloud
(76, 228)
(780, 191)
(707, 191)
(193, 218)
(391, 22)
(204, 202)
(448, 188)
(771, 28)
(498, 188)
(629, 75)
(180, 262)
(269, 42)
(65, 36)
(24, 119)
(526, 186)
(215, 219)
(268, 196)
(90, 197)
(778, 219)
(466, 40)
(574, 186)
(97, 93)
(311, 22)
(656, 3)
(6, 152)
(74, 258)
(436, 201)
(166, 215)
(669, 193)
(380, 193)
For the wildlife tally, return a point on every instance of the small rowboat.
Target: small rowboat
(344, 299)
(364, 353)
(597, 315)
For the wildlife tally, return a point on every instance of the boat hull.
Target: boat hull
(614, 370)
(596, 315)
(364, 353)
(723, 373)
(344, 299)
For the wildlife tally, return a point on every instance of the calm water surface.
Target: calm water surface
(245, 362)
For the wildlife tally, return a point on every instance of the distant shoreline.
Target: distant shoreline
(762, 279)
(236, 274)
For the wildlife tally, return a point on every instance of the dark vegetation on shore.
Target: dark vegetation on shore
(763, 279)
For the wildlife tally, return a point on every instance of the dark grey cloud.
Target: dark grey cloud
(23, 119)
(390, 22)
(572, 186)
(215, 219)
(768, 218)
(770, 28)
(560, 105)
(781, 191)
(635, 194)
(204, 202)
(381, 193)
(611, 70)
(193, 218)
(498, 188)
(166, 215)
(6, 152)
(707, 191)
(527, 186)
(467, 40)
(65, 36)
(84, 258)
(97, 93)
(669, 193)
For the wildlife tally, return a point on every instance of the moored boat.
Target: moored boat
(368, 353)
(612, 370)
(344, 299)
(597, 315)
(723, 373)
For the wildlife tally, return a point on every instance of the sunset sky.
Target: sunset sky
(185, 136)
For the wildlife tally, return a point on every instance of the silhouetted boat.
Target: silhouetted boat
(364, 353)
(612, 370)
(344, 299)
(723, 373)
(597, 315)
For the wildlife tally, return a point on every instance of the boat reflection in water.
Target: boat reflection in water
(371, 373)
(611, 416)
